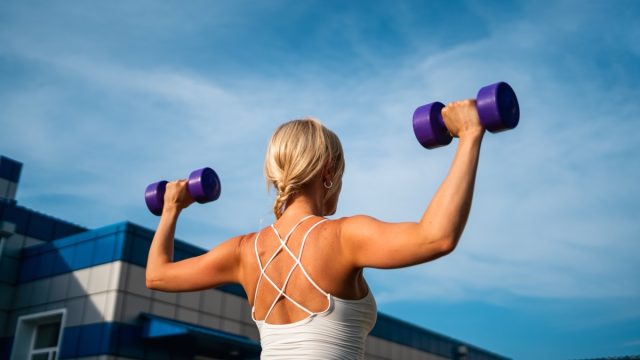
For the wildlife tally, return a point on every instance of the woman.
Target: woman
(303, 274)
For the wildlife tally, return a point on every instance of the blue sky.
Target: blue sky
(98, 99)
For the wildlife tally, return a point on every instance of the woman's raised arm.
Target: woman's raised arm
(372, 243)
(221, 265)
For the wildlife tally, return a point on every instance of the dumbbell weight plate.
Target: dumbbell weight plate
(428, 126)
(498, 108)
(204, 185)
(154, 197)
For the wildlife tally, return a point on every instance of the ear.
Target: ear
(327, 171)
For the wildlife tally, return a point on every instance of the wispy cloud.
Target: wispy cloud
(632, 343)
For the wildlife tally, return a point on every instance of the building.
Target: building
(67, 292)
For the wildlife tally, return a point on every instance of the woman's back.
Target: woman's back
(314, 308)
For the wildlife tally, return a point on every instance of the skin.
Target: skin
(337, 251)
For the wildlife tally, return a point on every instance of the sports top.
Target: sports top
(338, 332)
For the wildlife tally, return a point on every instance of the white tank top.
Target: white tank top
(338, 332)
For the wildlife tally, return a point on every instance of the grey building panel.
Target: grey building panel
(190, 300)
(4, 189)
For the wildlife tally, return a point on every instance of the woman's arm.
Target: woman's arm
(217, 267)
(371, 243)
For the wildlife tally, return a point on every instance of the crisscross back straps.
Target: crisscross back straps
(283, 245)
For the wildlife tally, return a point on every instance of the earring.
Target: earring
(328, 186)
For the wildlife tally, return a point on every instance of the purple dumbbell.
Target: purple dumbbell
(203, 186)
(497, 106)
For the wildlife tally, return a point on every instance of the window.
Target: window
(45, 341)
(38, 336)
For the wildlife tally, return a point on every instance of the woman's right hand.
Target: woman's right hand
(177, 196)
(461, 118)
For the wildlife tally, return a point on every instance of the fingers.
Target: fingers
(177, 193)
(460, 115)
(177, 186)
(179, 182)
(461, 106)
(459, 103)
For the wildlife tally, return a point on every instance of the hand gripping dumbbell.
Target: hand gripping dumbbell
(203, 186)
(497, 107)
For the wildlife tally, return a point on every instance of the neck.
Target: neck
(308, 201)
(302, 205)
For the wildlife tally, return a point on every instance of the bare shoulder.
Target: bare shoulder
(350, 230)
(369, 242)
(245, 239)
(336, 225)
(245, 242)
(234, 248)
(356, 225)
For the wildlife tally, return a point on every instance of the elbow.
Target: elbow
(150, 284)
(448, 240)
(151, 281)
(439, 243)
(447, 245)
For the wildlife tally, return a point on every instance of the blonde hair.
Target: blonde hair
(298, 152)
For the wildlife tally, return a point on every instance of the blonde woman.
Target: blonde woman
(303, 274)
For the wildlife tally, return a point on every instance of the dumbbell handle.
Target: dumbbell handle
(203, 185)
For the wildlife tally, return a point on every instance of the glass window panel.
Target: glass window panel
(47, 335)
(43, 356)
